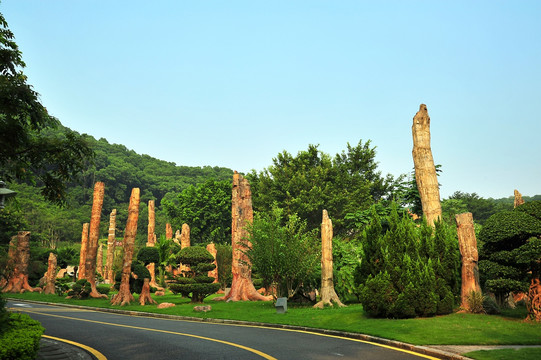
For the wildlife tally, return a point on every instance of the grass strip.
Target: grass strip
(453, 329)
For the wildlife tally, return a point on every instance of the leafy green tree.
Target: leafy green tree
(224, 259)
(286, 256)
(480, 208)
(167, 250)
(206, 208)
(511, 250)
(311, 181)
(31, 150)
(195, 280)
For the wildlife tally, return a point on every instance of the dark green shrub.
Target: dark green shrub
(408, 270)
(63, 285)
(376, 295)
(20, 339)
(224, 256)
(148, 255)
(136, 284)
(491, 306)
(103, 289)
(80, 290)
(4, 315)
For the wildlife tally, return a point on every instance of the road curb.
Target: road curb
(424, 350)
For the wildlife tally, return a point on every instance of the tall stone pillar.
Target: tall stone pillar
(81, 274)
(328, 294)
(242, 287)
(111, 243)
(93, 236)
(468, 250)
(425, 170)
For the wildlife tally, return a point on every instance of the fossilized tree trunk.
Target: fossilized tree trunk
(151, 241)
(211, 248)
(468, 249)
(425, 171)
(168, 231)
(176, 239)
(84, 250)
(50, 277)
(124, 296)
(93, 236)
(518, 199)
(328, 294)
(242, 287)
(111, 240)
(184, 243)
(144, 297)
(534, 297)
(99, 261)
(18, 258)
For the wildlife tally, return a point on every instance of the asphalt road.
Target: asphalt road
(133, 337)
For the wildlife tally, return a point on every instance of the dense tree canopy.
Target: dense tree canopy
(206, 208)
(31, 148)
(311, 181)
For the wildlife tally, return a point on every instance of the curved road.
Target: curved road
(134, 337)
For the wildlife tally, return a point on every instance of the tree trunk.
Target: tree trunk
(242, 287)
(94, 233)
(111, 240)
(534, 297)
(151, 241)
(144, 297)
(468, 249)
(50, 277)
(425, 171)
(84, 250)
(124, 296)
(518, 199)
(211, 248)
(168, 231)
(328, 294)
(184, 243)
(19, 256)
(99, 261)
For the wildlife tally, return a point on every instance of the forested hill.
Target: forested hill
(121, 170)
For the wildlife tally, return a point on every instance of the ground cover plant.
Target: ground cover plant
(454, 329)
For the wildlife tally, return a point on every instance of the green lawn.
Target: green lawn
(506, 354)
(454, 329)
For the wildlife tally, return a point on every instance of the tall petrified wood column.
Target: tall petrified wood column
(518, 199)
(50, 276)
(151, 240)
(124, 296)
(111, 243)
(18, 258)
(99, 262)
(211, 248)
(81, 274)
(242, 287)
(468, 249)
(328, 294)
(168, 231)
(93, 236)
(534, 297)
(425, 171)
(184, 243)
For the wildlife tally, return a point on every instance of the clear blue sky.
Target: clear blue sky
(233, 83)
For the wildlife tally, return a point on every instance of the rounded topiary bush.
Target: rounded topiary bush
(148, 255)
(80, 290)
(532, 208)
(509, 227)
(196, 284)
